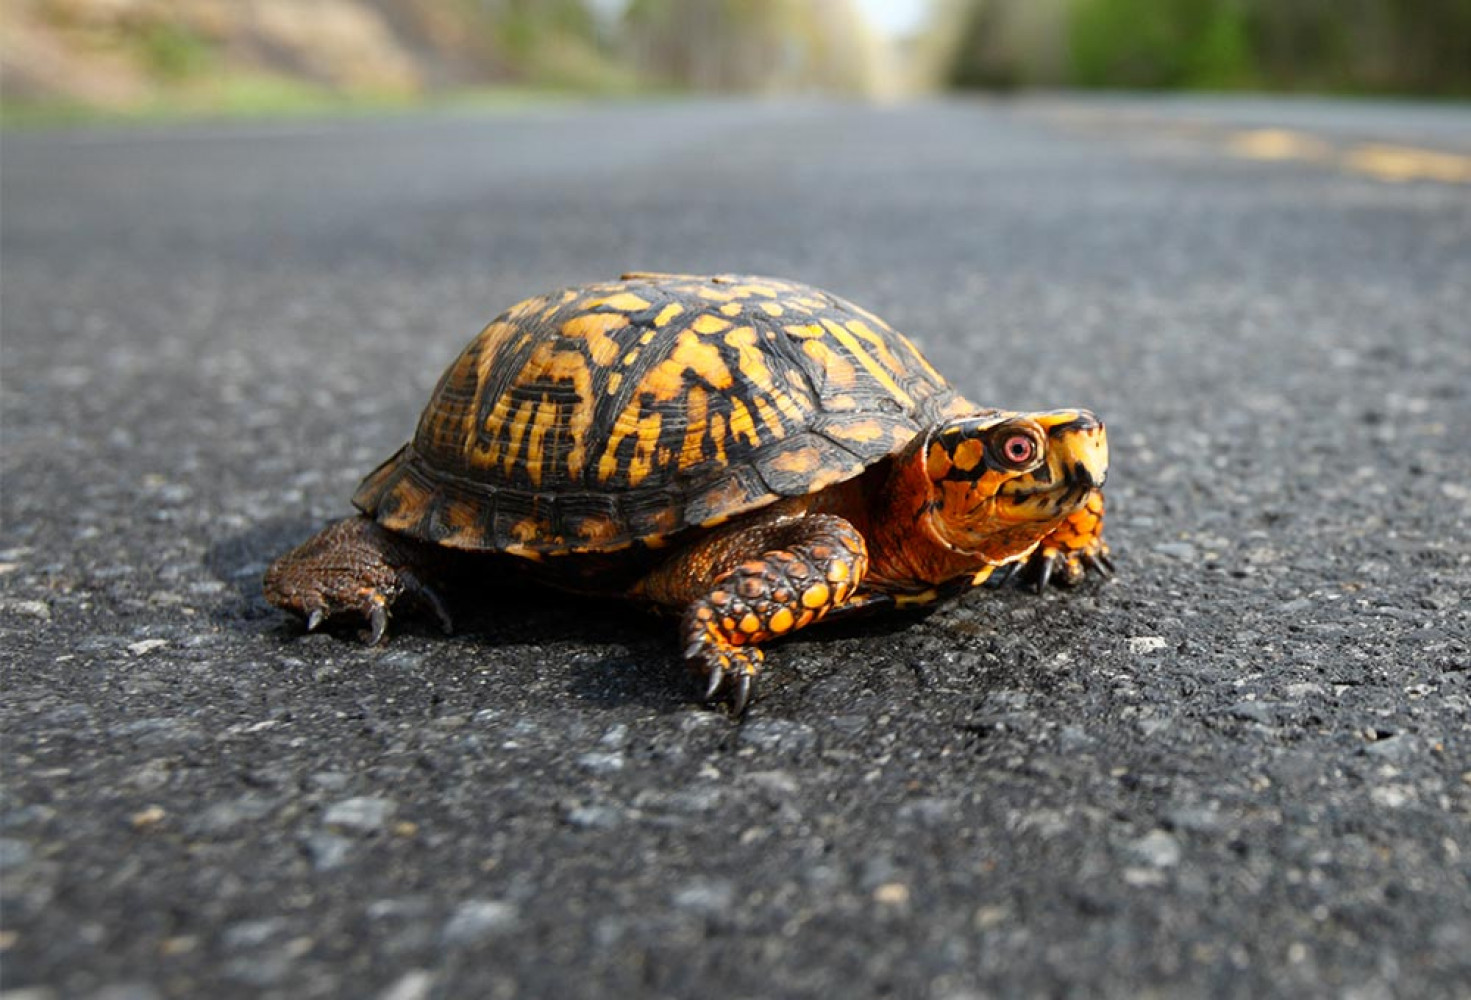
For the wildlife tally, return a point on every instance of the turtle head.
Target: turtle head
(999, 481)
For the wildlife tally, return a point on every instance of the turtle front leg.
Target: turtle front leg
(756, 583)
(354, 568)
(1073, 548)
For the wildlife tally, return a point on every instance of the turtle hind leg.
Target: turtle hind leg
(354, 568)
(794, 571)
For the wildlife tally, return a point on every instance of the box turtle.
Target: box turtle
(753, 454)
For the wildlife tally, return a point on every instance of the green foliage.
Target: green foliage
(1391, 46)
(525, 25)
(1160, 43)
(172, 51)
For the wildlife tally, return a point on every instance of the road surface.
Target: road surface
(1241, 769)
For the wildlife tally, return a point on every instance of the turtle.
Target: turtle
(749, 453)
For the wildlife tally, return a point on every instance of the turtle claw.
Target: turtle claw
(737, 686)
(377, 621)
(741, 696)
(1006, 573)
(717, 681)
(1044, 572)
(1099, 563)
(736, 683)
(315, 619)
(1068, 568)
(729, 670)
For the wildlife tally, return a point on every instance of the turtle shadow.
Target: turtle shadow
(484, 600)
(239, 560)
(489, 609)
(503, 609)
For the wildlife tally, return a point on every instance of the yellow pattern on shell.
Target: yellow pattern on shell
(590, 418)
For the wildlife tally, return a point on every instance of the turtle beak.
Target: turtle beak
(1077, 448)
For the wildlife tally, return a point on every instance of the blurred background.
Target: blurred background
(62, 58)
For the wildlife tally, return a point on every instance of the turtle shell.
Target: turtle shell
(600, 416)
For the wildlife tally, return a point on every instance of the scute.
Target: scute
(595, 417)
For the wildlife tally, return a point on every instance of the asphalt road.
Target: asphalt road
(1241, 769)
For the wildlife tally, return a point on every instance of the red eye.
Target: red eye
(1019, 449)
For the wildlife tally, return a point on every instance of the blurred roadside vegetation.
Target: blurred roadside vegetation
(83, 58)
(64, 59)
(1336, 46)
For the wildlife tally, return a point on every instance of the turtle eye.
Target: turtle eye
(1018, 450)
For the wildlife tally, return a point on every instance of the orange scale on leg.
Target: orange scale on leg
(816, 596)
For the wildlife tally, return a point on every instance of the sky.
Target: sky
(895, 18)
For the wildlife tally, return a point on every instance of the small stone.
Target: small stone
(252, 933)
(601, 763)
(1143, 878)
(329, 781)
(39, 610)
(402, 908)
(224, 816)
(1156, 848)
(13, 854)
(328, 850)
(777, 782)
(594, 817)
(145, 818)
(402, 660)
(892, 894)
(708, 897)
(1263, 712)
(616, 738)
(478, 919)
(1395, 749)
(363, 813)
(1196, 819)
(990, 916)
(181, 944)
(1181, 551)
(1142, 645)
(1074, 739)
(412, 985)
(145, 646)
(685, 801)
(1392, 796)
(927, 812)
(1149, 725)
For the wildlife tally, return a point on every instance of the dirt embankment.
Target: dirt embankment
(120, 53)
